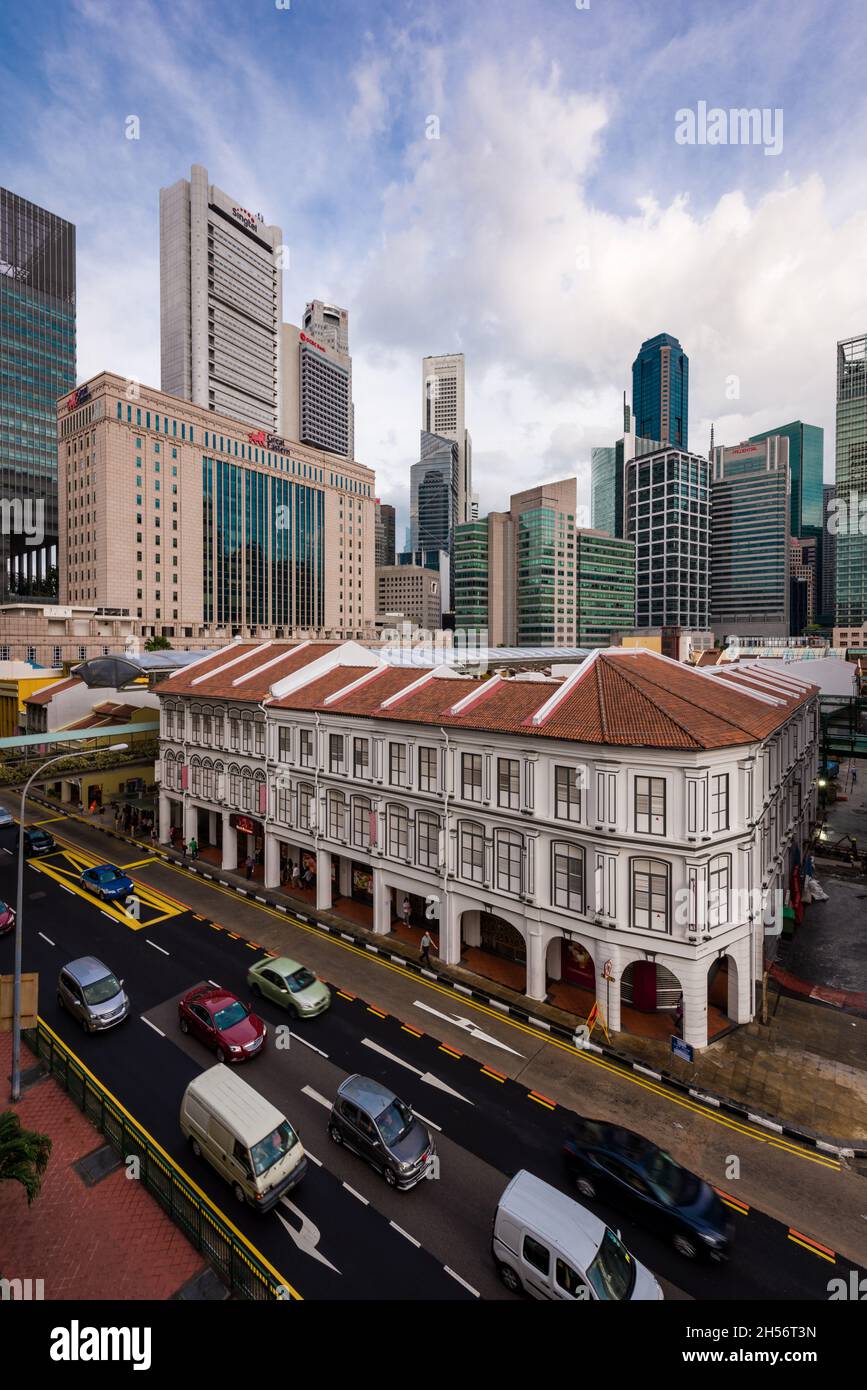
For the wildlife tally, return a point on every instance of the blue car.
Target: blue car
(107, 881)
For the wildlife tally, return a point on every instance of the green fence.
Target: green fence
(246, 1273)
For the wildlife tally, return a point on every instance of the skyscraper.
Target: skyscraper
(851, 481)
(434, 494)
(668, 516)
(660, 391)
(605, 587)
(221, 303)
(544, 527)
(806, 456)
(37, 364)
(443, 413)
(828, 566)
(750, 552)
(317, 380)
(607, 465)
(384, 536)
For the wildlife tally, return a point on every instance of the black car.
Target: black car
(625, 1169)
(38, 841)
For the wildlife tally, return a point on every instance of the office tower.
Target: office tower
(544, 530)
(443, 413)
(851, 482)
(828, 561)
(471, 568)
(412, 591)
(605, 587)
(317, 406)
(434, 494)
(750, 554)
(803, 571)
(806, 462)
(667, 499)
(660, 391)
(37, 364)
(384, 533)
(197, 525)
(484, 580)
(221, 303)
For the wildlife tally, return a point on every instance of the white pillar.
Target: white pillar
(165, 816)
(191, 821)
(272, 860)
(740, 987)
(344, 876)
(447, 930)
(381, 903)
(695, 1005)
(230, 843)
(323, 880)
(536, 982)
(608, 995)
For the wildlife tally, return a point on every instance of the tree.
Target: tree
(158, 644)
(23, 1154)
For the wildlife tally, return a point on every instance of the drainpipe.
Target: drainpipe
(445, 835)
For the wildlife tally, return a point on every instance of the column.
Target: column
(230, 844)
(536, 982)
(191, 821)
(381, 903)
(694, 1002)
(739, 1005)
(272, 860)
(448, 930)
(608, 992)
(165, 816)
(344, 876)
(323, 880)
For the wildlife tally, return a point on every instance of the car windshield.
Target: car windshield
(101, 990)
(273, 1147)
(612, 1272)
(302, 979)
(675, 1184)
(4, 907)
(232, 1014)
(106, 875)
(394, 1122)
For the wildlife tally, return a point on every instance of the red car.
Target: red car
(220, 1020)
(7, 918)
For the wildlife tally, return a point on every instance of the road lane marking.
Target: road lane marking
(494, 1075)
(433, 1124)
(467, 1286)
(426, 1076)
(353, 1193)
(406, 1235)
(308, 1044)
(468, 1026)
(542, 1100)
(314, 1095)
(308, 1237)
(413, 1031)
(807, 1243)
(734, 1202)
(152, 1025)
(155, 946)
(47, 938)
(313, 1158)
(109, 915)
(378, 1012)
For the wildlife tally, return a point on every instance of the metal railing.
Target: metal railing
(245, 1272)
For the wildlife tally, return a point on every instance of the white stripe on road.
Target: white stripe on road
(473, 1291)
(152, 1025)
(67, 890)
(314, 1095)
(426, 1076)
(355, 1194)
(107, 914)
(155, 946)
(47, 938)
(432, 1124)
(406, 1235)
(6, 851)
(313, 1158)
(308, 1044)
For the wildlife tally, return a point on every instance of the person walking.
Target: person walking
(183, 847)
(294, 879)
(193, 847)
(406, 911)
(251, 864)
(424, 948)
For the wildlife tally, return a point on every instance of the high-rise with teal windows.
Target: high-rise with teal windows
(37, 364)
(660, 391)
(806, 455)
(849, 519)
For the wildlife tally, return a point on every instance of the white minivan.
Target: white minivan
(243, 1136)
(552, 1247)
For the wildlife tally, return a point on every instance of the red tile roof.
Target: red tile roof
(48, 692)
(218, 676)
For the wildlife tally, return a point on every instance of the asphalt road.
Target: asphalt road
(343, 1233)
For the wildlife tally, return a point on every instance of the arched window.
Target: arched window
(247, 789)
(336, 816)
(650, 894)
(567, 876)
(234, 785)
(361, 809)
(471, 841)
(510, 861)
(305, 806)
(398, 832)
(196, 776)
(719, 884)
(427, 839)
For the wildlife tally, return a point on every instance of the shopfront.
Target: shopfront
(251, 838)
(576, 965)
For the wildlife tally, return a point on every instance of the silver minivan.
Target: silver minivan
(92, 994)
(551, 1247)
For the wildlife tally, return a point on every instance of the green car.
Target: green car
(291, 985)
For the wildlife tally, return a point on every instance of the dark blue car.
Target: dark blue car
(107, 881)
(628, 1171)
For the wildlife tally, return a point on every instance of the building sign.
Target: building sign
(245, 823)
(269, 441)
(679, 1048)
(78, 397)
(250, 221)
(311, 341)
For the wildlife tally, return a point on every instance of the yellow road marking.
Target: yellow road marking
(172, 1163)
(542, 1100)
(406, 1028)
(807, 1243)
(137, 863)
(49, 821)
(372, 1010)
(452, 1052)
(494, 1075)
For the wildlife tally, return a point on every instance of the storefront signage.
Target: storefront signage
(245, 823)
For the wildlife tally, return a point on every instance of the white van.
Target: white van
(243, 1136)
(552, 1247)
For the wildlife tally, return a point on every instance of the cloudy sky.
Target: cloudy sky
(554, 223)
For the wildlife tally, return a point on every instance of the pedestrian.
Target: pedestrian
(424, 948)
(406, 911)
(194, 847)
(182, 846)
(93, 807)
(678, 1013)
(293, 877)
(251, 864)
(173, 835)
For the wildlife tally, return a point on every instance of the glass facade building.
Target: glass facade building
(471, 571)
(750, 539)
(806, 463)
(668, 518)
(660, 391)
(37, 364)
(851, 483)
(605, 586)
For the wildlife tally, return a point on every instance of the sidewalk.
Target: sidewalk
(107, 1241)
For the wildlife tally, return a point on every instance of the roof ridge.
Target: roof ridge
(687, 733)
(730, 722)
(603, 718)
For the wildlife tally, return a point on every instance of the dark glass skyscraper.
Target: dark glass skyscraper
(806, 461)
(37, 364)
(660, 391)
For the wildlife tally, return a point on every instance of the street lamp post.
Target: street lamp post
(19, 918)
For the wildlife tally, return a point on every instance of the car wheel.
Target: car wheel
(196, 1148)
(185, 1027)
(239, 1192)
(335, 1134)
(256, 989)
(585, 1187)
(60, 1001)
(220, 1055)
(390, 1175)
(685, 1246)
(509, 1278)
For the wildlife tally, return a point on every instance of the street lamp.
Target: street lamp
(19, 918)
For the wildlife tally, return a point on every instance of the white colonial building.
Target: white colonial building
(628, 828)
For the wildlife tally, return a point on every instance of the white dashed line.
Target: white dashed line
(155, 946)
(313, 1158)
(67, 890)
(47, 938)
(6, 851)
(432, 1123)
(108, 915)
(314, 1095)
(214, 983)
(353, 1193)
(308, 1044)
(152, 1025)
(406, 1235)
(473, 1291)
